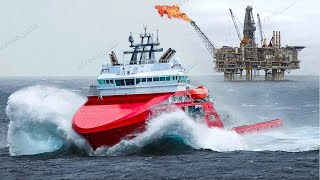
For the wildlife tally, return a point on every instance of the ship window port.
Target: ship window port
(105, 81)
(156, 79)
(183, 79)
(101, 81)
(130, 82)
(120, 82)
(109, 81)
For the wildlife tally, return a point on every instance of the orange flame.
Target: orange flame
(172, 11)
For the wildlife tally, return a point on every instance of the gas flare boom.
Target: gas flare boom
(172, 11)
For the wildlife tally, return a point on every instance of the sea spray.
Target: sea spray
(41, 120)
(293, 139)
(178, 124)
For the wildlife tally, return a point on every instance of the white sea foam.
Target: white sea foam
(199, 136)
(195, 135)
(287, 139)
(41, 118)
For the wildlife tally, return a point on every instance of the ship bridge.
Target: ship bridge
(144, 74)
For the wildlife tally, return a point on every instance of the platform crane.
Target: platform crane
(209, 45)
(235, 24)
(262, 37)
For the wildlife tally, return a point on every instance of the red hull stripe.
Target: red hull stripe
(258, 126)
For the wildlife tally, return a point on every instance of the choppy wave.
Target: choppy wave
(294, 139)
(178, 128)
(40, 122)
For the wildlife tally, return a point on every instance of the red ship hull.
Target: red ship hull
(108, 120)
(114, 136)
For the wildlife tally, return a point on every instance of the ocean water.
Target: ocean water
(37, 141)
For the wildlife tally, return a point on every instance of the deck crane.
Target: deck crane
(209, 45)
(235, 25)
(263, 40)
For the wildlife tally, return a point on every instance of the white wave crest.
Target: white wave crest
(40, 120)
(195, 135)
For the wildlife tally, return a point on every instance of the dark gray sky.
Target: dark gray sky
(64, 37)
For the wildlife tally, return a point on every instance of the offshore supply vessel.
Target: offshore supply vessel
(128, 95)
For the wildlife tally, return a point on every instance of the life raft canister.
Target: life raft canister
(199, 93)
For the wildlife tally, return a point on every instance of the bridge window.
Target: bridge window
(144, 80)
(183, 78)
(120, 82)
(138, 80)
(156, 79)
(129, 82)
(149, 79)
(175, 78)
(107, 81)
(162, 78)
(100, 81)
(167, 78)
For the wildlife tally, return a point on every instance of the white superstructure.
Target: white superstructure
(142, 78)
(145, 74)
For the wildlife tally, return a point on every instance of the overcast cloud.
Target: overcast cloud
(73, 38)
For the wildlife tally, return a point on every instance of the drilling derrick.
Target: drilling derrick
(249, 48)
(249, 27)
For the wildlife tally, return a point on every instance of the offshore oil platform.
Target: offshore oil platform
(271, 58)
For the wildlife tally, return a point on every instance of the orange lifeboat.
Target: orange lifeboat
(199, 93)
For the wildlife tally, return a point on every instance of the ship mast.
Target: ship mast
(145, 50)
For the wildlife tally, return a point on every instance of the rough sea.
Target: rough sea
(37, 141)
